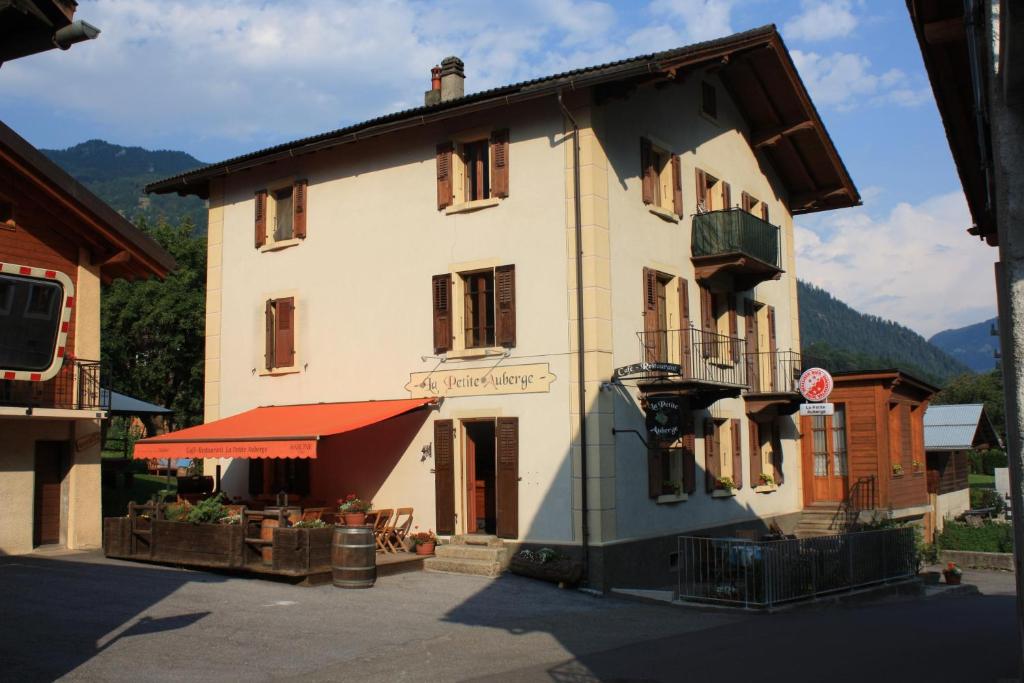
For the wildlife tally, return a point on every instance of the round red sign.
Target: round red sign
(815, 384)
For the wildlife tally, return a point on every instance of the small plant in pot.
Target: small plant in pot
(424, 542)
(897, 469)
(353, 510)
(767, 479)
(952, 574)
(726, 484)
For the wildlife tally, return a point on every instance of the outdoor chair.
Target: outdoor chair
(380, 527)
(399, 530)
(311, 514)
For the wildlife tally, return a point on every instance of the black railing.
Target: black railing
(773, 372)
(768, 573)
(735, 231)
(702, 356)
(75, 387)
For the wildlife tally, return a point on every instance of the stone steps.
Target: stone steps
(457, 551)
(474, 554)
(462, 566)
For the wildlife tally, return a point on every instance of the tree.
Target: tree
(986, 388)
(153, 331)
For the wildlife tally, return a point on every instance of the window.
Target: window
(723, 455)
(660, 178)
(708, 100)
(280, 214)
(280, 333)
(828, 440)
(839, 463)
(901, 438)
(720, 325)
(271, 476)
(754, 207)
(30, 322)
(472, 170)
(765, 452)
(712, 194)
(666, 335)
(487, 316)
(672, 467)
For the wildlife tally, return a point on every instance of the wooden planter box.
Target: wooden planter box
(564, 571)
(117, 537)
(205, 545)
(302, 550)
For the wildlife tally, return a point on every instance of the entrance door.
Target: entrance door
(49, 471)
(825, 456)
(481, 509)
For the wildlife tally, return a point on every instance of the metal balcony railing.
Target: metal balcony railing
(735, 231)
(774, 372)
(701, 356)
(75, 387)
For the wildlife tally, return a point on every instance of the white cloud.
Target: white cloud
(845, 81)
(821, 20)
(917, 265)
(701, 19)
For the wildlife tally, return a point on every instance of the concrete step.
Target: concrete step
(462, 566)
(472, 552)
(478, 539)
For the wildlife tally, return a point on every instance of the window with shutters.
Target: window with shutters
(723, 447)
(672, 468)
(708, 100)
(661, 181)
(280, 215)
(279, 319)
(713, 194)
(754, 206)
(720, 316)
(472, 172)
(666, 336)
(486, 315)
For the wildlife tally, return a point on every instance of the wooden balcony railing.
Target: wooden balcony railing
(75, 387)
(734, 231)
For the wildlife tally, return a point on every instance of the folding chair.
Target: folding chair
(380, 528)
(311, 514)
(399, 530)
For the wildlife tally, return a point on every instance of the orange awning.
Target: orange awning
(272, 431)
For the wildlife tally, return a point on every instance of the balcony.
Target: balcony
(734, 250)
(75, 387)
(703, 365)
(773, 377)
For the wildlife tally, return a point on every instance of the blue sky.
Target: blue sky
(221, 78)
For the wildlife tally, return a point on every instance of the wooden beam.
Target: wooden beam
(114, 259)
(945, 31)
(771, 136)
(808, 198)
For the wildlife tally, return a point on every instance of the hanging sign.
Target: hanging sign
(814, 409)
(644, 368)
(815, 384)
(663, 417)
(503, 379)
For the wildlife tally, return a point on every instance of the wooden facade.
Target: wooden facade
(870, 454)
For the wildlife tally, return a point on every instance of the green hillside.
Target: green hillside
(841, 338)
(972, 345)
(117, 175)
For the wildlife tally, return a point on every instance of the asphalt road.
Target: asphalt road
(82, 617)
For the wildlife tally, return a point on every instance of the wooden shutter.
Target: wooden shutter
(726, 196)
(505, 303)
(256, 476)
(684, 327)
(754, 434)
(737, 453)
(777, 453)
(507, 477)
(734, 329)
(655, 468)
(752, 358)
(261, 218)
(772, 349)
(284, 333)
(647, 170)
(299, 208)
(270, 338)
(499, 163)
(764, 212)
(712, 448)
(702, 191)
(441, 297)
(689, 455)
(747, 202)
(445, 186)
(707, 321)
(677, 185)
(444, 476)
(651, 322)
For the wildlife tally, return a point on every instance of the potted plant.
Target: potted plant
(424, 542)
(726, 484)
(767, 479)
(953, 574)
(917, 465)
(897, 469)
(671, 488)
(353, 510)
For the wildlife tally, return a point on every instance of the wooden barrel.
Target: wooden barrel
(353, 557)
(267, 534)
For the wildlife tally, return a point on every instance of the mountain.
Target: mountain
(974, 345)
(841, 338)
(117, 175)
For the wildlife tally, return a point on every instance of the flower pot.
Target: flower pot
(952, 578)
(355, 518)
(425, 548)
(930, 578)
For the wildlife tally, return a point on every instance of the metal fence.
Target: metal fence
(735, 231)
(774, 371)
(702, 356)
(75, 387)
(763, 574)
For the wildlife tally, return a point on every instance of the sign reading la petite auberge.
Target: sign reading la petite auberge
(510, 379)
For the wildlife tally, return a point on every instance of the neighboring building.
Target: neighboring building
(868, 457)
(58, 243)
(432, 254)
(950, 431)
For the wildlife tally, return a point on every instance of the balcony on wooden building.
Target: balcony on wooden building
(734, 250)
(75, 387)
(710, 366)
(772, 390)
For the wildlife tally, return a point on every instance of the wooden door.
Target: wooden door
(444, 476)
(49, 471)
(825, 457)
(753, 358)
(472, 520)
(507, 477)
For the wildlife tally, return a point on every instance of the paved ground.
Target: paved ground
(87, 618)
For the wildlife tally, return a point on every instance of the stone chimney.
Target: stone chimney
(453, 78)
(433, 96)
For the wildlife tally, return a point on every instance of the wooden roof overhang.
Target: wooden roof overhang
(892, 379)
(754, 66)
(699, 393)
(119, 248)
(942, 36)
(733, 272)
(768, 406)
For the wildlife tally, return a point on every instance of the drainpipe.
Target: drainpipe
(580, 335)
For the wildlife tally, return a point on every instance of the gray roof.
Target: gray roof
(951, 427)
(122, 404)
